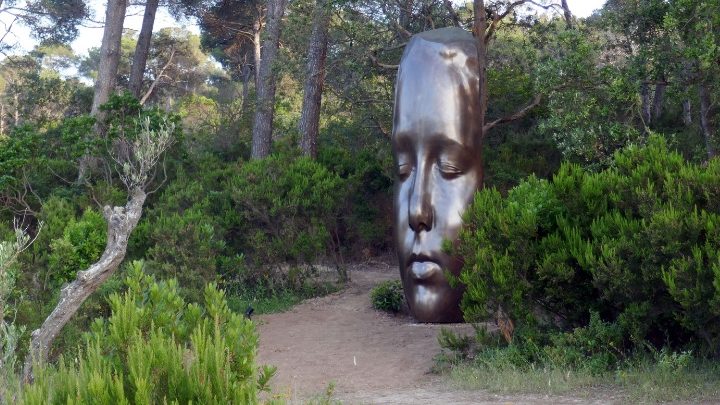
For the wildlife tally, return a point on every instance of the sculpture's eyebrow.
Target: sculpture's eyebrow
(403, 140)
(446, 144)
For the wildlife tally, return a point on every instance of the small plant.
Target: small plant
(460, 345)
(388, 296)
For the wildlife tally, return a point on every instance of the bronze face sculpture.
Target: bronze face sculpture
(436, 146)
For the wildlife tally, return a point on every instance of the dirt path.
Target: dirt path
(371, 357)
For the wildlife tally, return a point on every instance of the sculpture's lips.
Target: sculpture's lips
(424, 270)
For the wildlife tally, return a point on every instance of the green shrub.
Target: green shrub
(388, 296)
(289, 208)
(188, 232)
(364, 220)
(185, 246)
(637, 243)
(155, 348)
(81, 244)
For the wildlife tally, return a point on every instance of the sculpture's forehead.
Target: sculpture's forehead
(436, 89)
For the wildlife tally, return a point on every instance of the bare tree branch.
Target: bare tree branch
(376, 62)
(515, 116)
(496, 18)
(157, 78)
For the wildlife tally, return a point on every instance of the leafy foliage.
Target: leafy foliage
(290, 206)
(637, 243)
(81, 244)
(388, 296)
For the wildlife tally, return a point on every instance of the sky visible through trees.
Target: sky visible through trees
(91, 33)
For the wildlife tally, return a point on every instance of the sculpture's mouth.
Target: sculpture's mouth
(423, 267)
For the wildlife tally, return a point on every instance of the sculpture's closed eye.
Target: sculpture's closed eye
(404, 170)
(450, 169)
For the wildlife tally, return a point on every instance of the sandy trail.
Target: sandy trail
(371, 357)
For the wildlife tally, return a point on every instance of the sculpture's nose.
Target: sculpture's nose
(420, 205)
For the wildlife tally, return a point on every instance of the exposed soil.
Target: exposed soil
(371, 357)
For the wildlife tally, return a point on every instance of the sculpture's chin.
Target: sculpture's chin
(435, 304)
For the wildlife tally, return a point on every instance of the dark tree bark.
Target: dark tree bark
(658, 99)
(567, 14)
(142, 48)
(453, 14)
(315, 79)
(645, 102)
(706, 122)
(109, 53)
(406, 7)
(263, 123)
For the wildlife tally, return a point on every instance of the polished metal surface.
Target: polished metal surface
(438, 162)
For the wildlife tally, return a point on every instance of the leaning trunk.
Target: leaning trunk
(706, 123)
(142, 48)
(317, 52)
(109, 54)
(121, 222)
(262, 126)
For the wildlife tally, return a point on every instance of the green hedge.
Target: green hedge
(637, 243)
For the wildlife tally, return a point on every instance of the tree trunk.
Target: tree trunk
(109, 54)
(405, 14)
(645, 102)
(658, 100)
(2, 118)
(312, 99)
(567, 13)
(142, 48)
(263, 124)
(121, 222)
(687, 113)
(257, 28)
(479, 30)
(706, 123)
(16, 107)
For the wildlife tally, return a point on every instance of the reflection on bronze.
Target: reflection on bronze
(438, 162)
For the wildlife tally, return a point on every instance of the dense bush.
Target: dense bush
(638, 243)
(155, 348)
(81, 244)
(289, 207)
(388, 296)
(365, 223)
